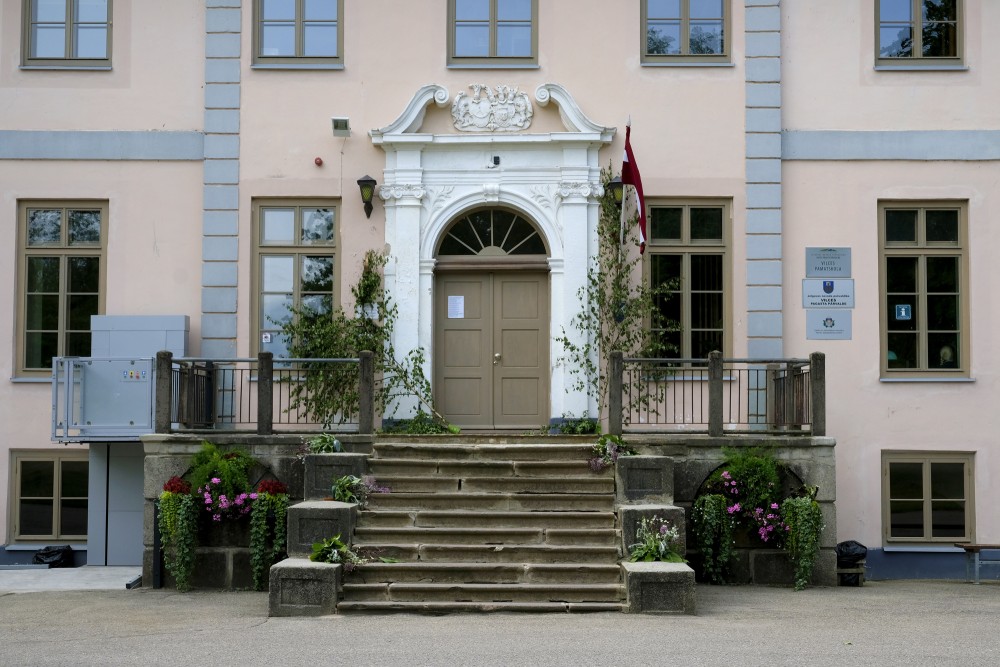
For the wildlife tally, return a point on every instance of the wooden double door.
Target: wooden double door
(491, 356)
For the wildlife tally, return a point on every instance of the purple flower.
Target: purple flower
(726, 475)
(774, 506)
(216, 480)
(253, 496)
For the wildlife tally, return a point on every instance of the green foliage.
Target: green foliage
(348, 489)
(420, 424)
(657, 541)
(232, 467)
(178, 518)
(329, 392)
(268, 539)
(579, 426)
(713, 529)
(758, 473)
(805, 525)
(618, 311)
(333, 550)
(607, 450)
(324, 443)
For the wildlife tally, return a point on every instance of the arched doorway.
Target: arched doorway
(491, 322)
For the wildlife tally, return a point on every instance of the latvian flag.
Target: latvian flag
(630, 176)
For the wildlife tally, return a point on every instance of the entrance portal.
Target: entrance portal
(491, 317)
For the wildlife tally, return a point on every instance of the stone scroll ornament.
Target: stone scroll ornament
(505, 109)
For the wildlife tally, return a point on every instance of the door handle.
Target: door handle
(496, 358)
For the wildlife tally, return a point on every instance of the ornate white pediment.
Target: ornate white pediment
(505, 109)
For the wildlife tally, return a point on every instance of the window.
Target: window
(492, 32)
(919, 32)
(294, 265)
(927, 496)
(60, 280)
(67, 33)
(298, 33)
(687, 249)
(50, 495)
(677, 31)
(922, 273)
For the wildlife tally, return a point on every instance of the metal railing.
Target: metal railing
(258, 394)
(718, 396)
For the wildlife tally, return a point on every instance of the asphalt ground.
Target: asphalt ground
(882, 623)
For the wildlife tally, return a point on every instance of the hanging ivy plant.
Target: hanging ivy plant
(268, 539)
(178, 517)
(713, 528)
(804, 519)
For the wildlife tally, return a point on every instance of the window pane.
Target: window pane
(947, 481)
(77, 345)
(320, 304)
(706, 311)
(663, 38)
(472, 39)
(278, 346)
(84, 274)
(36, 517)
(514, 10)
(900, 226)
(939, 10)
(942, 226)
(906, 480)
(901, 313)
(320, 10)
(472, 10)
(317, 225)
(704, 342)
(939, 40)
(39, 348)
(279, 225)
(706, 37)
(276, 310)
(48, 41)
(38, 479)
(320, 40)
(901, 275)
(44, 227)
(942, 312)
(514, 40)
(947, 519)
(666, 223)
(80, 308)
(278, 10)
(895, 41)
(902, 352)
(706, 224)
(42, 312)
(906, 519)
(84, 227)
(74, 479)
(73, 517)
(92, 11)
(43, 274)
(895, 10)
(663, 9)
(945, 348)
(278, 39)
(706, 9)
(91, 41)
(317, 274)
(706, 272)
(942, 274)
(277, 274)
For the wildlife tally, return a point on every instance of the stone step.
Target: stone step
(488, 536)
(487, 573)
(381, 607)
(460, 518)
(480, 553)
(420, 592)
(407, 484)
(494, 501)
(478, 468)
(488, 452)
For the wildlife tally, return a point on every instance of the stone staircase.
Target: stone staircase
(487, 524)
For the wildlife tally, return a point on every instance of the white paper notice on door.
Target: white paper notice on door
(456, 307)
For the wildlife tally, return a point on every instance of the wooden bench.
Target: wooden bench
(972, 560)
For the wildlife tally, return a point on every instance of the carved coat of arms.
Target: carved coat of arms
(505, 109)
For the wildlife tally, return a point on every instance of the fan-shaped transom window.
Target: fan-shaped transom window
(492, 233)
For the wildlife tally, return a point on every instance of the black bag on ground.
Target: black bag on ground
(849, 555)
(54, 556)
